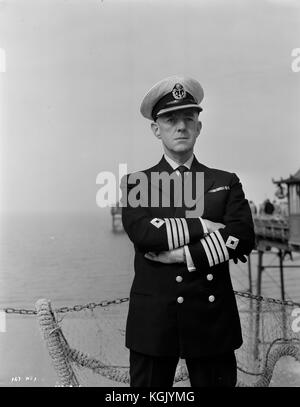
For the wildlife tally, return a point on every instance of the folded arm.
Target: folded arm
(157, 234)
(234, 241)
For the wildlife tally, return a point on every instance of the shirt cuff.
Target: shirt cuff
(205, 230)
(189, 261)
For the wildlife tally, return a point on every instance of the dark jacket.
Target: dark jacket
(207, 322)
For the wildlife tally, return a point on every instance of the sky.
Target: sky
(76, 72)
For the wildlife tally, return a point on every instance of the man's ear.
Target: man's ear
(155, 129)
(199, 127)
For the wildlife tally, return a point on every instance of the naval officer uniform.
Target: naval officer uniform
(185, 309)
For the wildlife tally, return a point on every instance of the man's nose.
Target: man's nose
(181, 124)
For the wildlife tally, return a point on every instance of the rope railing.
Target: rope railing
(53, 337)
(63, 356)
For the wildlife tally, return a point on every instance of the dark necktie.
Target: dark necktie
(182, 169)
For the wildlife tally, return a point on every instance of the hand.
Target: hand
(241, 258)
(168, 257)
(213, 226)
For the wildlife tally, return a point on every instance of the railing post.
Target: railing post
(260, 269)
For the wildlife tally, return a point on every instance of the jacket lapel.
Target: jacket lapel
(164, 166)
(208, 179)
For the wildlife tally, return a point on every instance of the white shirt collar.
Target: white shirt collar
(175, 165)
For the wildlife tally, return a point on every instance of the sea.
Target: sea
(67, 258)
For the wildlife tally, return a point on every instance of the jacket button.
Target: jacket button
(180, 300)
(179, 279)
(211, 298)
(209, 277)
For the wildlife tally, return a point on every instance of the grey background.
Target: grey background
(76, 72)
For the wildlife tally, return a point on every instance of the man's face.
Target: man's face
(178, 130)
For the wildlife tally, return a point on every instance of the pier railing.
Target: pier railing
(271, 228)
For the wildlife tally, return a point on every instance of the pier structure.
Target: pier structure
(116, 216)
(279, 232)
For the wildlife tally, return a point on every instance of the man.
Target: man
(181, 302)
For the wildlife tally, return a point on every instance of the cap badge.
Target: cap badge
(178, 92)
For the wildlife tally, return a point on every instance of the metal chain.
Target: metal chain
(91, 305)
(19, 311)
(105, 303)
(61, 310)
(288, 303)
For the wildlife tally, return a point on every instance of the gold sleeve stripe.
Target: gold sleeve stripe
(169, 234)
(218, 247)
(222, 243)
(212, 248)
(183, 231)
(174, 232)
(180, 232)
(207, 251)
(186, 230)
